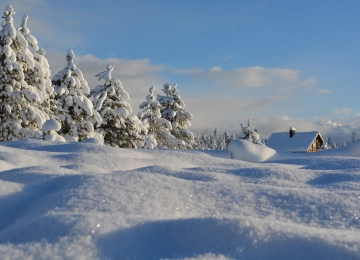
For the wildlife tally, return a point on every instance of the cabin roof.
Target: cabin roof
(300, 142)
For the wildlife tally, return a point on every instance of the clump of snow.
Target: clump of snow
(49, 128)
(54, 137)
(51, 125)
(248, 151)
(94, 141)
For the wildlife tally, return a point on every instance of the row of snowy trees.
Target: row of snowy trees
(330, 144)
(220, 141)
(213, 141)
(66, 109)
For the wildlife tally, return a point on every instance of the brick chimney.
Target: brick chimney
(292, 131)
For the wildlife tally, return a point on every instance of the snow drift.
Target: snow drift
(89, 201)
(247, 151)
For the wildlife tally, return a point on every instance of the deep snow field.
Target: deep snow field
(89, 201)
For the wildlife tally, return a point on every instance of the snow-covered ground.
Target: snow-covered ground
(89, 201)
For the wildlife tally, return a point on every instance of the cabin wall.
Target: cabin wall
(316, 145)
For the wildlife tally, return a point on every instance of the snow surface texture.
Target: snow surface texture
(89, 201)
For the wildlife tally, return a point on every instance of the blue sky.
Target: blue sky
(281, 63)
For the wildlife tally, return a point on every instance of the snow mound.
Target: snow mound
(352, 150)
(51, 125)
(85, 201)
(54, 137)
(94, 141)
(247, 151)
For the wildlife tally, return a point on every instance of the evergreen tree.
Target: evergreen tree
(353, 137)
(214, 140)
(330, 142)
(335, 145)
(159, 127)
(227, 138)
(173, 111)
(38, 75)
(119, 127)
(19, 110)
(325, 146)
(248, 134)
(222, 142)
(204, 141)
(74, 110)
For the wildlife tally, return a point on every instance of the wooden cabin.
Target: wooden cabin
(296, 142)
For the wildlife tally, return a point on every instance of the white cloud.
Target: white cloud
(342, 111)
(227, 58)
(223, 112)
(192, 71)
(253, 77)
(324, 91)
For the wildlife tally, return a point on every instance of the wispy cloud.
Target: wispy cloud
(324, 91)
(253, 77)
(342, 111)
(227, 58)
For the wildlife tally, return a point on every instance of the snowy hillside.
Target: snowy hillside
(88, 201)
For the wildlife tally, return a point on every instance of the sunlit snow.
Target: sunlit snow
(90, 201)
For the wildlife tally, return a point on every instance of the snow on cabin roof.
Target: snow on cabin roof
(300, 142)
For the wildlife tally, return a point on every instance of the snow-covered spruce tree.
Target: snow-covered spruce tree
(227, 138)
(329, 141)
(353, 137)
(205, 141)
(158, 127)
(20, 102)
(214, 140)
(222, 142)
(335, 145)
(119, 127)
(74, 110)
(201, 141)
(173, 111)
(248, 134)
(39, 75)
(325, 146)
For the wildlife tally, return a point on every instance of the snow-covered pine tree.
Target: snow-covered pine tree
(353, 137)
(159, 127)
(325, 146)
(39, 75)
(227, 138)
(248, 134)
(200, 141)
(197, 141)
(19, 109)
(173, 111)
(119, 127)
(330, 142)
(222, 142)
(74, 109)
(335, 145)
(214, 140)
(205, 140)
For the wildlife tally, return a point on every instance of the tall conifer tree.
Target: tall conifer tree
(120, 128)
(74, 109)
(20, 112)
(173, 109)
